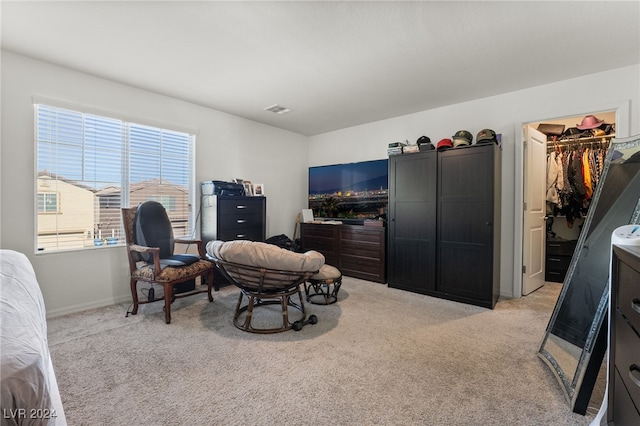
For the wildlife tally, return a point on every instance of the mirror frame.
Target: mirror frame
(576, 387)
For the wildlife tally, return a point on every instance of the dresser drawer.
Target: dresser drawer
(359, 249)
(244, 205)
(358, 271)
(328, 251)
(562, 248)
(624, 411)
(627, 356)
(239, 220)
(362, 235)
(628, 300)
(368, 265)
(557, 263)
(318, 231)
(323, 245)
(555, 276)
(252, 233)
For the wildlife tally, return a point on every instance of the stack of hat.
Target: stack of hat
(486, 136)
(589, 122)
(462, 137)
(444, 144)
(424, 143)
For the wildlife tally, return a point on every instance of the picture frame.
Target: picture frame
(248, 189)
(238, 180)
(258, 189)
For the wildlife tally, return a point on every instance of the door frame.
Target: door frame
(623, 124)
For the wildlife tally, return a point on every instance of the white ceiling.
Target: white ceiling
(335, 64)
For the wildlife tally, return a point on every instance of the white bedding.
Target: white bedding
(28, 388)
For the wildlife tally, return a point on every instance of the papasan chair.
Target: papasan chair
(266, 275)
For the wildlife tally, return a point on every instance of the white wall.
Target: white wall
(227, 147)
(504, 114)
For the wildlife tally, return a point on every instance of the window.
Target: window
(89, 166)
(47, 202)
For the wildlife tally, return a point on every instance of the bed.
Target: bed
(28, 388)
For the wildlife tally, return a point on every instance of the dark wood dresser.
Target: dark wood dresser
(558, 258)
(357, 250)
(229, 218)
(624, 345)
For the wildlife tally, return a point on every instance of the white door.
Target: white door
(534, 191)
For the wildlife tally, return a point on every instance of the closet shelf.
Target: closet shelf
(582, 140)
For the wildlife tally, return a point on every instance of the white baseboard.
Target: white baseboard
(86, 306)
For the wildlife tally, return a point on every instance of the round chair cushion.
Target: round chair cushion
(326, 272)
(263, 255)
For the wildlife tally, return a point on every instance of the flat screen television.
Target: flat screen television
(350, 191)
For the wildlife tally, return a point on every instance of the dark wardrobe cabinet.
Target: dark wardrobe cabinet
(444, 223)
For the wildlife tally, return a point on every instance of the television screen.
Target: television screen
(349, 191)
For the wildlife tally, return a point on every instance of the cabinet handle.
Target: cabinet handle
(553, 259)
(240, 236)
(635, 305)
(488, 223)
(241, 207)
(241, 221)
(634, 374)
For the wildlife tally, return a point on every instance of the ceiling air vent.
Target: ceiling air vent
(278, 109)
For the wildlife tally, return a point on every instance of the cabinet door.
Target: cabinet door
(412, 221)
(465, 218)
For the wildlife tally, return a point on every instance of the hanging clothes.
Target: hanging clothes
(552, 179)
(573, 173)
(586, 174)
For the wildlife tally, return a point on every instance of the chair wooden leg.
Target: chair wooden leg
(284, 303)
(134, 294)
(210, 285)
(168, 292)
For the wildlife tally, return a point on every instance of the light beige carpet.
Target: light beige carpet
(379, 356)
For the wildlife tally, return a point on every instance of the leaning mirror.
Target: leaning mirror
(575, 338)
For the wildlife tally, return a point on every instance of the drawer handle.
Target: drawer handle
(635, 305)
(553, 259)
(240, 236)
(241, 221)
(634, 374)
(241, 207)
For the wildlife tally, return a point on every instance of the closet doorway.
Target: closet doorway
(555, 197)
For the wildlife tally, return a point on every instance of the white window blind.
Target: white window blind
(89, 166)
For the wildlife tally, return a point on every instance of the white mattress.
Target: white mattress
(28, 388)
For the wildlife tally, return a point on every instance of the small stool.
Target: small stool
(325, 284)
